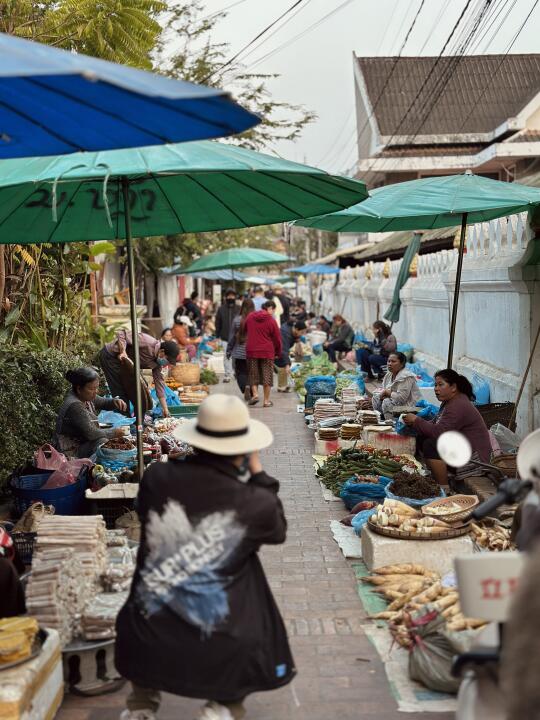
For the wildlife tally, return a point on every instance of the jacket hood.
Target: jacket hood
(260, 316)
(404, 374)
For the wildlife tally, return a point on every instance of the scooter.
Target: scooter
(486, 582)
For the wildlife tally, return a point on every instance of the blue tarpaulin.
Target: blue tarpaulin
(315, 269)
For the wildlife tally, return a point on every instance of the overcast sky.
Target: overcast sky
(316, 69)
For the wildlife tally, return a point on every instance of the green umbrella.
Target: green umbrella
(159, 190)
(189, 187)
(393, 312)
(432, 203)
(236, 258)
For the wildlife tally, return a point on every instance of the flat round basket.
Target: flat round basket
(466, 504)
(404, 535)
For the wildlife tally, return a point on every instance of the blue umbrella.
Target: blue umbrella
(53, 102)
(314, 269)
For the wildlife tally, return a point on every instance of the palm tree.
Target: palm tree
(123, 31)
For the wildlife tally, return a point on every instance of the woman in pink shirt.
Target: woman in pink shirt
(457, 412)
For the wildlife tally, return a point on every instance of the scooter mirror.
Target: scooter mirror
(454, 448)
(528, 457)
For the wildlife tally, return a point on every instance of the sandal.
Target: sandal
(269, 404)
(254, 400)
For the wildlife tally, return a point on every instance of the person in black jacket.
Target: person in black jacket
(225, 315)
(291, 332)
(200, 620)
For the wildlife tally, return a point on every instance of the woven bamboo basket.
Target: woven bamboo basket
(186, 373)
(392, 532)
(507, 463)
(467, 504)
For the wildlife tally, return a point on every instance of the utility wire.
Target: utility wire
(276, 30)
(300, 35)
(428, 78)
(494, 75)
(230, 61)
(385, 84)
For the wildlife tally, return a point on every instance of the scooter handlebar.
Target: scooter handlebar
(510, 490)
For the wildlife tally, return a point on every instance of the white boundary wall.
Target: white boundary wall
(499, 309)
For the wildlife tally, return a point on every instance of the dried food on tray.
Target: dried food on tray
(406, 520)
(99, 616)
(351, 431)
(328, 433)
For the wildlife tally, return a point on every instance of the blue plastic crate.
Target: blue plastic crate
(68, 500)
(33, 481)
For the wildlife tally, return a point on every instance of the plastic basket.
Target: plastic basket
(311, 398)
(183, 410)
(68, 500)
(24, 544)
(33, 481)
(493, 413)
(112, 509)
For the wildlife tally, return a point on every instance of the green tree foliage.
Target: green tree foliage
(186, 50)
(31, 391)
(123, 31)
(155, 253)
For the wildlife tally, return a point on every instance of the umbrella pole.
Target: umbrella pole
(134, 329)
(456, 289)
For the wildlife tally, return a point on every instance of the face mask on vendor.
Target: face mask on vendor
(230, 301)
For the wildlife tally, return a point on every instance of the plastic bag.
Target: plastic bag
(508, 441)
(320, 385)
(352, 492)
(412, 501)
(430, 660)
(114, 418)
(404, 430)
(360, 519)
(480, 389)
(428, 411)
(48, 458)
(425, 379)
(171, 398)
(68, 474)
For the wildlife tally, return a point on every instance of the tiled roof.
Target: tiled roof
(478, 97)
(425, 150)
(526, 136)
(394, 245)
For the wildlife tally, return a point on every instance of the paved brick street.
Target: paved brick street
(339, 673)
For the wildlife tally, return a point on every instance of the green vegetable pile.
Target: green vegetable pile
(356, 461)
(343, 382)
(318, 365)
(208, 377)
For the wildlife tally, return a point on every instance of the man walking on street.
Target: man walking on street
(225, 315)
(258, 297)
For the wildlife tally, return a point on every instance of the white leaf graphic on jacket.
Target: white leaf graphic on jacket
(181, 570)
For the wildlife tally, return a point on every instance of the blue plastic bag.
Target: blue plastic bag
(420, 371)
(360, 519)
(480, 389)
(352, 492)
(357, 379)
(170, 396)
(411, 501)
(114, 418)
(403, 429)
(321, 385)
(428, 411)
(318, 349)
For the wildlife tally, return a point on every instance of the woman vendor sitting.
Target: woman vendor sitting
(180, 333)
(77, 430)
(398, 387)
(457, 412)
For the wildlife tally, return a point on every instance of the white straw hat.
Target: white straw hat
(223, 427)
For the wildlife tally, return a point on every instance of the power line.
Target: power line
(225, 9)
(486, 30)
(300, 35)
(493, 76)
(437, 20)
(276, 30)
(229, 62)
(428, 78)
(357, 134)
